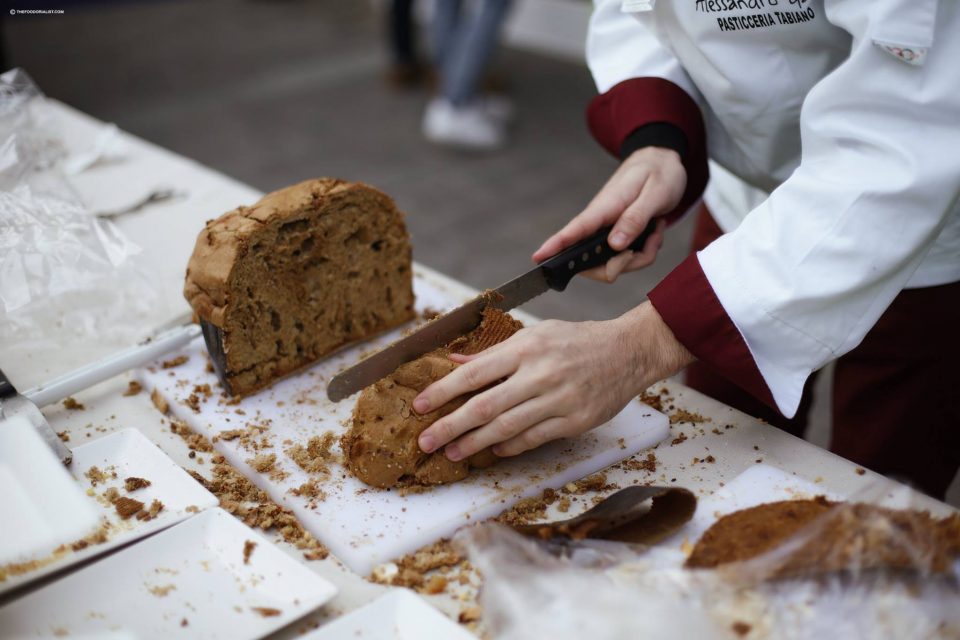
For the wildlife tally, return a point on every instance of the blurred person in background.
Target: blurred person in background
(406, 69)
(460, 114)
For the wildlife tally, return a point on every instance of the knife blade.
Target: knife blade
(553, 273)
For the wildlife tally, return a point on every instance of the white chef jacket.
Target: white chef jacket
(835, 125)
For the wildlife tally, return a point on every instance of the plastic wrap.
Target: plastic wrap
(64, 274)
(605, 590)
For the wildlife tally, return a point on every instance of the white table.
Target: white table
(167, 233)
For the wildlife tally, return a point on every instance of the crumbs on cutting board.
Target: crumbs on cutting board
(317, 455)
(133, 483)
(253, 507)
(175, 362)
(161, 591)
(72, 404)
(195, 441)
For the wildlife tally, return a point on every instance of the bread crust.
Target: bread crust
(223, 242)
(227, 246)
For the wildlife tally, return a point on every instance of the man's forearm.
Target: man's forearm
(655, 352)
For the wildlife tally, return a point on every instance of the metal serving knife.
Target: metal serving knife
(553, 273)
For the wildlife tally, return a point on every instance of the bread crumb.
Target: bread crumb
(654, 400)
(648, 464)
(679, 439)
(161, 591)
(317, 455)
(159, 402)
(248, 547)
(127, 507)
(596, 482)
(133, 388)
(263, 462)
(859, 471)
(682, 415)
(266, 612)
(155, 508)
(96, 476)
(71, 404)
(133, 483)
(435, 585)
(471, 614)
(411, 568)
(64, 435)
(175, 362)
(741, 628)
(195, 441)
(311, 490)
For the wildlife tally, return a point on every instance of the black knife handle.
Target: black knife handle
(587, 254)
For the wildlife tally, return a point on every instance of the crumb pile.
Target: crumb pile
(254, 507)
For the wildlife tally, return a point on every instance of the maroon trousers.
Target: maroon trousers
(896, 396)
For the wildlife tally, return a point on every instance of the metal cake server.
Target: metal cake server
(643, 515)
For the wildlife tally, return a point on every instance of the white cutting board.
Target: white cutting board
(363, 526)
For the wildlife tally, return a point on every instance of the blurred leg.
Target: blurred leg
(471, 52)
(444, 29)
(705, 380)
(896, 404)
(402, 46)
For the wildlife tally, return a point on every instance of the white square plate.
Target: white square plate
(188, 581)
(124, 453)
(43, 506)
(397, 615)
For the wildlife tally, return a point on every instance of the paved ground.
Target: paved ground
(275, 91)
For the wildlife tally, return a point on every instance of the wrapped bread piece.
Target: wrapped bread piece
(799, 538)
(301, 273)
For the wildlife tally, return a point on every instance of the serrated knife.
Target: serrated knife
(553, 273)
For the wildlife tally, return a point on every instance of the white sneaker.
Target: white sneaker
(499, 107)
(468, 127)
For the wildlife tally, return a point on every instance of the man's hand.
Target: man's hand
(561, 379)
(649, 183)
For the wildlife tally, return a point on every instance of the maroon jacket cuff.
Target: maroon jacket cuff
(687, 303)
(631, 104)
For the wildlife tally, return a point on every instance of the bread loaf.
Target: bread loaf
(302, 272)
(381, 446)
(830, 537)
